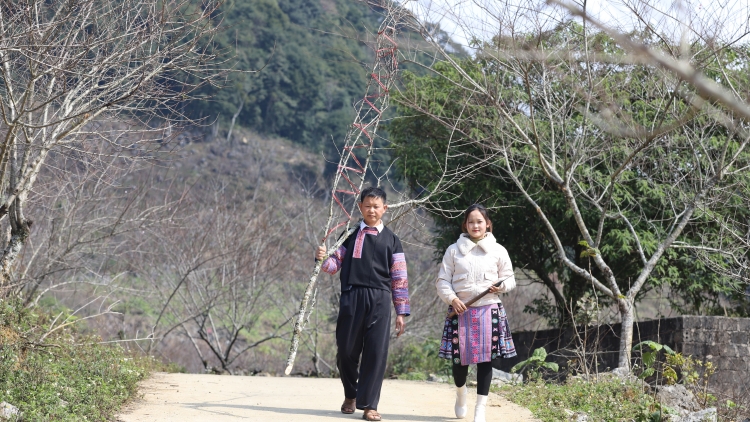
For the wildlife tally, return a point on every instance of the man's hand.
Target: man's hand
(400, 325)
(458, 306)
(320, 253)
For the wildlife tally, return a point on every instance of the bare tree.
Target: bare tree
(217, 271)
(646, 153)
(249, 278)
(67, 66)
(86, 213)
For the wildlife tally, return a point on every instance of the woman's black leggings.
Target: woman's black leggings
(484, 376)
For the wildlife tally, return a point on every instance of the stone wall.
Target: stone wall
(724, 341)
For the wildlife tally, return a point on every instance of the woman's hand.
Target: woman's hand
(458, 306)
(495, 289)
(320, 253)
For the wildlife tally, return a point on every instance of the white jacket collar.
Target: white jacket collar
(380, 226)
(465, 245)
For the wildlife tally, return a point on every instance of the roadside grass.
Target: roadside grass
(65, 376)
(608, 399)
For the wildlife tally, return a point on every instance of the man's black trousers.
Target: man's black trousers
(363, 328)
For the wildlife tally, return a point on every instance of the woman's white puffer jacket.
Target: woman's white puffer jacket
(470, 268)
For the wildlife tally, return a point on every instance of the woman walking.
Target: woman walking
(478, 333)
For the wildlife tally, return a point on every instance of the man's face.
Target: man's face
(372, 210)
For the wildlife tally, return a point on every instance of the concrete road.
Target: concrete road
(197, 397)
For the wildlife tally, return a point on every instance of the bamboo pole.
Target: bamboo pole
(360, 135)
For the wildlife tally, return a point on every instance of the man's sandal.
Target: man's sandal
(349, 406)
(371, 415)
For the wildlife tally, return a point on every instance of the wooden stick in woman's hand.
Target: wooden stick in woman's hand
(479, 296)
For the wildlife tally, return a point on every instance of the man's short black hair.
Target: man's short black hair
(372, 192)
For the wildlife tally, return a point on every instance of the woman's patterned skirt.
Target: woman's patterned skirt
(478, 335)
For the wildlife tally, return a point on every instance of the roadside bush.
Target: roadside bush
(416, 360)
(532, 367)
(65, 376)
(608, 399)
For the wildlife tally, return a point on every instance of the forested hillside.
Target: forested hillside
(311, 63)
(302, 65)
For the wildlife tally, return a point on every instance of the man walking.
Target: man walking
(373, 275)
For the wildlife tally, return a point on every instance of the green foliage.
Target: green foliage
(675, 368)
(418, 138)
(660, 364)
(65, 377)
(534, 365)
(413, 376)
(587, 310)
(535, 109)
(310, 67)
(608, 399)
(415, 360)
(649, 353)
(588, 251)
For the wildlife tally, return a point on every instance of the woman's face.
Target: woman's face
(476, 225)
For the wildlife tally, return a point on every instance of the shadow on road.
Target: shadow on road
(215, 408)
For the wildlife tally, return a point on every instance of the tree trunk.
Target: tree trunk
(627, 314)
(560, 302)
(18, 235)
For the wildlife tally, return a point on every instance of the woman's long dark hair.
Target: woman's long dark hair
(482, 210)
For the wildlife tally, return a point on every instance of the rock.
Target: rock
(677, 397)
(576, 416)
(705, 415)
(502, 377)
(435, 378)
(9, 412)
(627, 375)
(621, 372)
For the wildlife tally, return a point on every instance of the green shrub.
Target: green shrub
(413, 376)
(415, 360)
(65, 376)
(534, 365)
(609, 399)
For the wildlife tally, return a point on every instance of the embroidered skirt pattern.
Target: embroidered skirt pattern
(479, 335)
